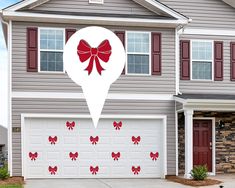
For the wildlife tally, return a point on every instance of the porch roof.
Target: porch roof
(206, 96)
(216, 102)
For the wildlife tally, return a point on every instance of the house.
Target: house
(3, 141)
(172, 108)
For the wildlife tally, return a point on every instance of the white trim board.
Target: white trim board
(52, 18)
(117, 96)
(210, 32)
(86, 116)
(10, 97)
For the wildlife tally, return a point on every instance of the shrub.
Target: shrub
(4, 174)
(199, 172)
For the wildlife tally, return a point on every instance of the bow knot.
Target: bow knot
(102, 52)
(94, 51)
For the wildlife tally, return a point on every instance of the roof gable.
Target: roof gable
(149, 7)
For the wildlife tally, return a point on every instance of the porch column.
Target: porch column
(188, 142)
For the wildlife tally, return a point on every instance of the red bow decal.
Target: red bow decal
(85, 52)
(73, 156)
(154, 156)
(118, 125)
(33, 156)
(94, 140)
(136, 170)
(70, 125)
(116, 156)
(52, 140)
(136, 140)
(52, 170)
(93, 170)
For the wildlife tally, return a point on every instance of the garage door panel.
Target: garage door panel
(115, 153)
(70, 140)
(36, 140)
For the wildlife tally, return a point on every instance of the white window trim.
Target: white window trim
(150, 58)
(46, 50)
(96, 2)
(191, 61)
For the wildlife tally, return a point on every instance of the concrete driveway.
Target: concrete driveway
(228, 182)
(101, 183)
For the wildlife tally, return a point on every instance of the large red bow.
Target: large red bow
(103, 52)
(116, 156)
(154, 156)
(93, 170)
(136, 140)
(73, 156)
(33, 156)
(94, 140)
(70, 125)
(136, 170)
(117, 125)
(52, 170)
(52, 140)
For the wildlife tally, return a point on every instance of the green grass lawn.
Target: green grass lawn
(11, 186)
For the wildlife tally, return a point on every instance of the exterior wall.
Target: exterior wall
(213, 87)
(4, 138)
(31, 81)
(181, 144)
(109, 7)
(179, 106)
(205, 13)
(72, 106)
(225, 145)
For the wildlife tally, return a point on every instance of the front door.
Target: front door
(202, 143)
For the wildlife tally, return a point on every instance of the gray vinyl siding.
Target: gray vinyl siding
(205, 13)
(179, 106)
(109, 7)
(30, 81)
(217, 87)
(72, 106)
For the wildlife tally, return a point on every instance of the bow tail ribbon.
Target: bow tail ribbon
(97, 64)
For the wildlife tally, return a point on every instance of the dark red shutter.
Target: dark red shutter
(232, 55)
(121, 36)
(185, 59)
(69, 33)
(156, 54)
(32, 49)
(218, 60)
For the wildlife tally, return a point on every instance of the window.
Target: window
(138, 53)
(51, 50)
(96, 1)
(202, 59)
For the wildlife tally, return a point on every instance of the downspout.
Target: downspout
(178, 31)
(9, 123)
(177, 85)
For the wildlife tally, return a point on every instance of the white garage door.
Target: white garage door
(73, 148)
